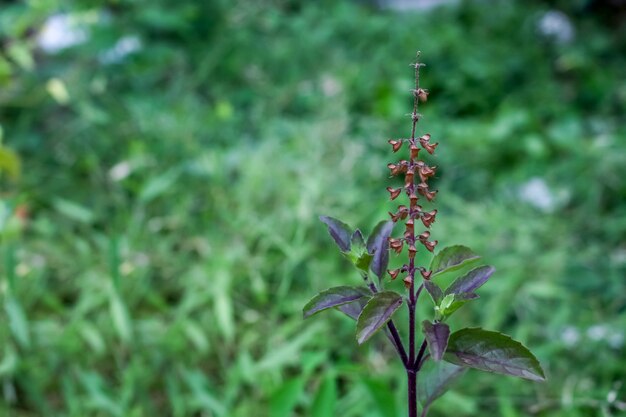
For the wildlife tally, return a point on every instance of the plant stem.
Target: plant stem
(420, 355)
(411, 371)
(412, 392)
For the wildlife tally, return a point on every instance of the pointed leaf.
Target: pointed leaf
(471, 281)
(434, 380)
(435, 292)
(333, 297)
(452, 258)
(325, 400)
(339, 231)
(376, 314)
(353, 309)
(357, 239)
(457, 302)
(492, 352)
(378, 246)
(437, 335)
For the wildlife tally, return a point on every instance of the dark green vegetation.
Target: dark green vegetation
(177, 289)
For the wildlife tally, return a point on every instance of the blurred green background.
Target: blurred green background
(163, 165)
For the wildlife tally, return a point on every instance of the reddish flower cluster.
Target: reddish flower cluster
(416, 176)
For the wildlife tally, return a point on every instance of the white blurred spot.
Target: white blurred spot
(413, 4)
(556, 25)
(597, 332)
(60, 31)
(120, 171)
(616, 340)
(331, 86)
(536, 193)
(570, 336)
(122, 48)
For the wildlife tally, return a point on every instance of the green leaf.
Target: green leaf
(451, 259)
(376, 314)
(492, 352)
(382, 396)
(436, 335)
(325, 400)
(435, 379)
(339, 231)
(358, 254)
(471, 281)
(357, 239)
(378, 246)
(285, 398)
(18, 323)
(455, 302)
(435, 292)
(333, 297)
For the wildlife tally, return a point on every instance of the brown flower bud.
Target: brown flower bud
(395, 144)
(430, 147)
(409, 177)
(394, 193)
(428, 218)
(424, 236)
(425, 172)
(408, 236)
(422, 94)
(393, 273)
(425, 274)
(430, 245)
(410, 226)
(413, 199)
(395, 217)
(403, 211)
(414, 151)
(430, 195)
(424, 138)
(412, 251)
(396, 245)
(407, 282)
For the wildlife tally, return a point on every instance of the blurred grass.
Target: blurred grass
(162, 236)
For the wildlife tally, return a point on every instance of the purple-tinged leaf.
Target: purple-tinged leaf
(492, 352)
(353, 309)
(436, 335)
(471, 281)
(435, 292)
(339, 231)
(452, 258)
(434, 380)
(333, 297)
(378, 246)
(376, 314)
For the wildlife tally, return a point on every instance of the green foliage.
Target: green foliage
(209, 153)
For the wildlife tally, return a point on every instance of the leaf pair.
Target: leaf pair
(373, 254)
(450, 259)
